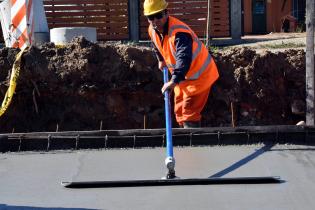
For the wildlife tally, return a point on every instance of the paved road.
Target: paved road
(32, 180)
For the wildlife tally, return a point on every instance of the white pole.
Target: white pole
(310, 6)
(5, 17)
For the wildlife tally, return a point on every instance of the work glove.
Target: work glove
(162, 64)
(168, 86)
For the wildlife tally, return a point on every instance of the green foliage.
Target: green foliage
(213, 48)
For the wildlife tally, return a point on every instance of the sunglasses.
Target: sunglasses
(157, 16)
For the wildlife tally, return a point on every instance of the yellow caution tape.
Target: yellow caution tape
(14, 76)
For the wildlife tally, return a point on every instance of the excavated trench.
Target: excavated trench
(87, 86)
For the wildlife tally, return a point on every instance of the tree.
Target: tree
(310, 6)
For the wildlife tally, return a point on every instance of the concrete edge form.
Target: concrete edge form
(139, 138)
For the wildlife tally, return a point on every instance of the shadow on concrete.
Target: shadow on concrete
(9, 207)
(243, 161)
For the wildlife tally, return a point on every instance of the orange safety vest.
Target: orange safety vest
(202, 68)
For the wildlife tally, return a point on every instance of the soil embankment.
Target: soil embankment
(86, 86)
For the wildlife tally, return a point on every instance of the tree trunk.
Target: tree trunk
(310, 6)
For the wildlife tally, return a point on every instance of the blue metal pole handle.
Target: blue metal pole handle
(168, 121)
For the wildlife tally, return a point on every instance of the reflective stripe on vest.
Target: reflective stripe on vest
(154, 37)
(202, 69)
(197, 51)
(194, 54)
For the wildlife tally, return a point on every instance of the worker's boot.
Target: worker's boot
(192, 124)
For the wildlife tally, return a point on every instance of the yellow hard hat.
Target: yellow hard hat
(154, 6)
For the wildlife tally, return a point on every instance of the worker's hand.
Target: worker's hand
(162, 64)
(168, 86)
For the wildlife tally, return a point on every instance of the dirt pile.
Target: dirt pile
(86, 86)
(266, 89)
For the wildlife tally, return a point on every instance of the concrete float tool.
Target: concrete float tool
(171, 178)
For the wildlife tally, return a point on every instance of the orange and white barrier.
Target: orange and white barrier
(22, 23)
(21, 32)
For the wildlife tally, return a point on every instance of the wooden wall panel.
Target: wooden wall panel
(194, 14)
(109, 17)
(247, 16)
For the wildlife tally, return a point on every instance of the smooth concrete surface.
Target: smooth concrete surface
(64, 35)
(32, 180)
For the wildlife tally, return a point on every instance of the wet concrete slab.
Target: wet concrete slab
(32, 180)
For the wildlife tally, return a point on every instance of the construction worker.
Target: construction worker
(192, 68)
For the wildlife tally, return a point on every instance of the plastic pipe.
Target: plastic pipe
(168, 122)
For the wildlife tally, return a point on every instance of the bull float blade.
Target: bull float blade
(170, 182)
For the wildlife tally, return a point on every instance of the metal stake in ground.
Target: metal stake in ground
(170, 160)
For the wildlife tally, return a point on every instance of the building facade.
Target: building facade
(265, 16)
